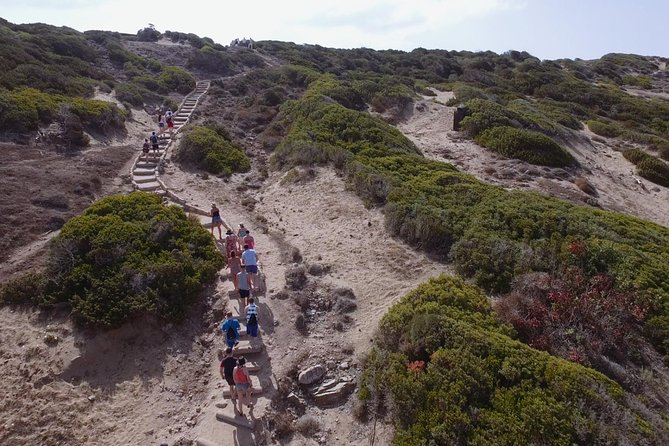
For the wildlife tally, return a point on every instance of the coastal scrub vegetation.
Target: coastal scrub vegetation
(492, 235)
(210, 148)
(446, 370)
(126, 256)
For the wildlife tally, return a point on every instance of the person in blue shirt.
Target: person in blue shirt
(230, 328)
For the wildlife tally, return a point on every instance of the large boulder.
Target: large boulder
(311, 375)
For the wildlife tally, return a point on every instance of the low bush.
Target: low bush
(212, 152)
(605, 129)
(447, 371)
(525, 145)
(176, 79)
(124, 257)
(24, 109)
(648, 166)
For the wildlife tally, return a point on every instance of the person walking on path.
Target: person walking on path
(145, 149)
(251, 311)
(170, 121)
(249, 240)
(216, 221)
(241, 233)
(250, 262)
(235, 265)
(154, 142)
(230, 328)
(243, 286)
(243, 385)
(161, 124)
(231, 243)
(228, 364)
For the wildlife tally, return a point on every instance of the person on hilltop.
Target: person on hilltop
(216, 221)
(154, 142)
(251, 311)
(243, 385)
(250, 262)
(145, 149)
(230, 328)
(228, 364)
(249, 240)
(244, 286)
(231, 243)
(235, 265)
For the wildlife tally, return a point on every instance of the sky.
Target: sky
(548, 29)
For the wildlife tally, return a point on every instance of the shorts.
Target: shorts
(252, 330)
(229, 380)
(216, 220)
(161, 124)
(231, 342)
(243, 294)
(253, 269)
(170, 124)
(145, 149)
(155, 147)
(244, 386)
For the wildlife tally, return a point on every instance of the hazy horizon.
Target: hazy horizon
(548, 29)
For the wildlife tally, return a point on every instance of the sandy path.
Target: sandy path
(429, 127)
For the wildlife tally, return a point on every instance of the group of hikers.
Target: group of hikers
(165, 123)
(243, 265)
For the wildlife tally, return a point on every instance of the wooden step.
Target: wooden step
(144, 165)
(145, 179)
(143, 172)
(147, 187)
(246, 347)
(237, 420)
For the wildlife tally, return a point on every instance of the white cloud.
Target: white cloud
(340, 23)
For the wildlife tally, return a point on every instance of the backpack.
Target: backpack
(231, 333)
(154, 139)
(253, 320)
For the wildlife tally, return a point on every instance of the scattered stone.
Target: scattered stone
(91, 398)
(331, 365)
(51, 339)
(344, 366)
(333, 394)
(311, 375)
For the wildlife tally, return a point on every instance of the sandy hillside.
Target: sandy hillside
(601, 163)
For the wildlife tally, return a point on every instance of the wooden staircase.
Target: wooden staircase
(145, 172)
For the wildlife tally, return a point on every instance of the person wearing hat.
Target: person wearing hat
(216, 221)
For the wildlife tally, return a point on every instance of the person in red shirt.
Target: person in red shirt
(248, 240)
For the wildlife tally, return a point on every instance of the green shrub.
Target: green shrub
(148, 34)
(212, 152)
(26, 289)
(127, 256)
(129, 93)
(525, 145)
(648, 166)
(176, 79)
(604, 129)
(451, 373)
